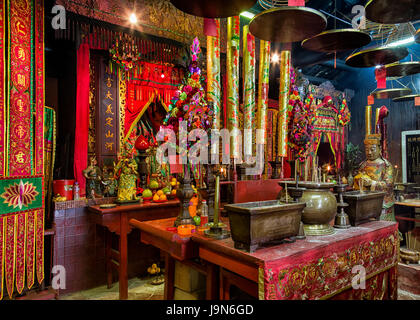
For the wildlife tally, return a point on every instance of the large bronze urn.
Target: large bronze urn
(320, 210)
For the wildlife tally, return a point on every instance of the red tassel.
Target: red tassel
(380, 75)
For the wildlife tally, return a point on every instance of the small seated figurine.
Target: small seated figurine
(126, 173)
(93, 175)
(376, 173)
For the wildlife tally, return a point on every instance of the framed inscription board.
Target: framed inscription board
(410, 142)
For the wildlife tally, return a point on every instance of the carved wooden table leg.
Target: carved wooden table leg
(108, 258)
(224, 287)
(123, 278)
(169, 277)
(212, 281)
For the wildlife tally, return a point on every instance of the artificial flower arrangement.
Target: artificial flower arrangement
(189, 102)
(125, 55)
(344, 113)
(302, 117)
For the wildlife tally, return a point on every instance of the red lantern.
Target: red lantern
(142, 143)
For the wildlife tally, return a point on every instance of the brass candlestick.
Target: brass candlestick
(341, 219)
(184, 194)
(217, 229)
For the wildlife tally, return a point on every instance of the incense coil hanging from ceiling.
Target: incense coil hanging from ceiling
(383, 32)
(268, 4)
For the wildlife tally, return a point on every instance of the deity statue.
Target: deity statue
(126, 172)
(109, 182)
(93, 175)
(376, 173)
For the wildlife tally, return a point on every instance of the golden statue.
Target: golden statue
(126, 173)
(376, 173)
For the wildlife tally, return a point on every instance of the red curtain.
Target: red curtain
(151, 81)
(82, 116)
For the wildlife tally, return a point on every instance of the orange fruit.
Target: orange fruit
(163, 197)
(159, 193)
(155, 197)
(173, 192)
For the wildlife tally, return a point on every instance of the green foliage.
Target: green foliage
(353, 157)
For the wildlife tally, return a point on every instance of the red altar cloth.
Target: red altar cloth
(314, 268)
(320, 267)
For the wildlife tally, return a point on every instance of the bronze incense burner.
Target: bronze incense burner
(363, 206)
(253, 224)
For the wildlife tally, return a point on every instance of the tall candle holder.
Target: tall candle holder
(341, 219)
(217, 230)
(184, 194)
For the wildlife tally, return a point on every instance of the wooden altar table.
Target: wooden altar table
(405, 214)
(116, 221)
(315, 268)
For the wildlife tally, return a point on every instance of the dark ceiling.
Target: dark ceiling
(320, 67)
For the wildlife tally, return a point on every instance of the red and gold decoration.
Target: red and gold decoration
(189, 102)
(232, 63)
(20, 88)
(108, 113)
(124, 53)
(320, 275)
(264, 77)
(22, 165)
(368, 120)
(302, 117)
(344, 113)
(285, 61)
(248, 45)
(3, 147)
(19, 195)
(213, 74)
(153, 84)
(39, 87)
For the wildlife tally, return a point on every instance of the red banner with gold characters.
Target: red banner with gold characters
(39, 86)
(21, 145)
(19, 88)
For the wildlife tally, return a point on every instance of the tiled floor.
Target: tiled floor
(142, 289)
(138, 289)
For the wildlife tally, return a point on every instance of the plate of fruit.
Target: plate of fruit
(160, 197)
(147, 195)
